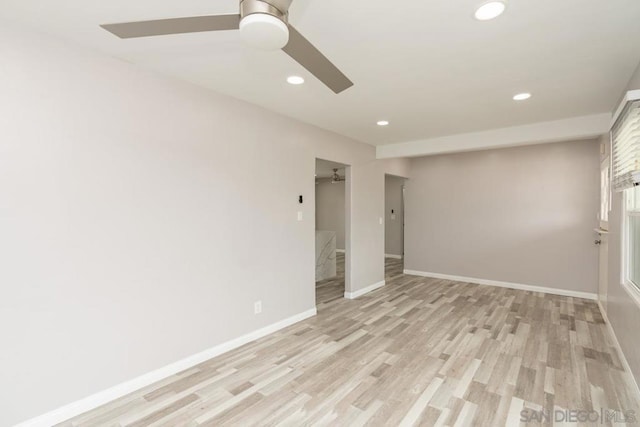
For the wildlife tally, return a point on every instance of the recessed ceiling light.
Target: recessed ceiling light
(522, 96)
(295, 80)
(383, 123)
(490, 10)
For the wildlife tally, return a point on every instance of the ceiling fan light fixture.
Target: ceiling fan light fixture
(490, 10)
(264, 31)
(383, 123)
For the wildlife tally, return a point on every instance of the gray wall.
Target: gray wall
(140, 214)
(393, 232)
(330, 209)
(623, 312)
(521, 215)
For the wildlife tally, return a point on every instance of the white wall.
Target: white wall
(521, 215)
(139, 215)
(634, 82)
(393, 230)
(622, 311)
(330, 209)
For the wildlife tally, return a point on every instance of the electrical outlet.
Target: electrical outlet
(257, 307)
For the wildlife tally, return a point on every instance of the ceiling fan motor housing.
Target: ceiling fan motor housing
(263, 25)
(249, 7)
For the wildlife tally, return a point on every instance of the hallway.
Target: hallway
(332, 289)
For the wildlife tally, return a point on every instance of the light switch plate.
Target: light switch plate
(299, 215)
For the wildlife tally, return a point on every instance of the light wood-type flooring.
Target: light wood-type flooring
(418, 351)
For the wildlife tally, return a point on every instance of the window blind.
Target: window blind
(625, 141)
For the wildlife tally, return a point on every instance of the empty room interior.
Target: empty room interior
(319, 213)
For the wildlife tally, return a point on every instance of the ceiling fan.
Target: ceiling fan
(336, 178)
(263, 24)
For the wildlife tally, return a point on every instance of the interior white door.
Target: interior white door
(602, 239)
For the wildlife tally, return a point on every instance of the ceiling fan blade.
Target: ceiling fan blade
(315, 62)
(163, 27)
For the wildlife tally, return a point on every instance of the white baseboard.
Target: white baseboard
(340, 251)
(360, 292)
(393, 256)
(554, 291)
(87, 404)
(624, 360)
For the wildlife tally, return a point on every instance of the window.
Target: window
(625, 177)
(625, 144)
(632, 232)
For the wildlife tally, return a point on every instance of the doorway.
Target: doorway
(394, 194)
(331, 239)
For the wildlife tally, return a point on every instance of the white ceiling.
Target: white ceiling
(425, 65)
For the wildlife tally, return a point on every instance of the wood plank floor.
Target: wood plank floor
(418, 351)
